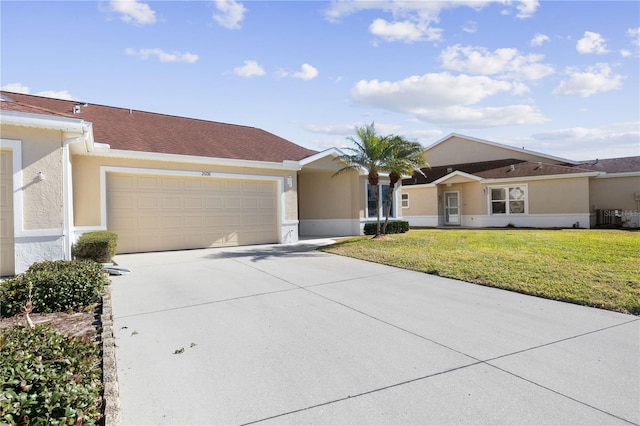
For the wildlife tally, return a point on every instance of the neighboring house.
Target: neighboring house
(477, 183)
(168, 183)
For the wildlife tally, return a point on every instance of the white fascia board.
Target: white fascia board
(331, 152)
(457, 173)
(617, 175)
(41, 121)
(194, 159)
(419, 185)
(500, 145)
(546, 177)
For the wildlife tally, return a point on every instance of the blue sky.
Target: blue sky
(560, 77)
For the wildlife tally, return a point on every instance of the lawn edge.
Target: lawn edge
(109, 369)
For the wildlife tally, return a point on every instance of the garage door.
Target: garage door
(7, 256)
(156, 213)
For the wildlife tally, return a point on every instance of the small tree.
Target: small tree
(371, 152)
(406, 157)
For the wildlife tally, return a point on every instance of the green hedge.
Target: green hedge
(393, 227)
(57, 286)
(48, 378)
(98, 245)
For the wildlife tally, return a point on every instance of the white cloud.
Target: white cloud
(58, 94)
(634, 33)
(596, 79)
(406, 31)
(413, 20)
(21, 88)
(307, 72)
(162, 55)
(230, 13)
(625, 53)
(249, 69)
(133, 11)
(591, 43)
(17, 88)
(470, 27)
(539, 39)
(445, 99)
(504, 62)
(527, 8)
(609, 141)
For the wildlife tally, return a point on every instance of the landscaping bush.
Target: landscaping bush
(57, 286)
(393, 227)
(48, 378)
(99, 246)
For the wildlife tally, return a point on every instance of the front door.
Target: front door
(451, 208)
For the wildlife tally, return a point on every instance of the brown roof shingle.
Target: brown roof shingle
(495, 169)
(133, 130)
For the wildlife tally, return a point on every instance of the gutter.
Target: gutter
(67, 184)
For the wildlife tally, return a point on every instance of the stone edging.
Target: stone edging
(111, 396)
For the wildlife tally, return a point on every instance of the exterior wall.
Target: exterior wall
(87, 182)
(42, 200)
(617, 192)
(457, 150)
(38, 203)
(330, 205)
(559, 196)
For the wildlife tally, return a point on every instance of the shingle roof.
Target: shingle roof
(613, 165)
(494, 169)
(134, 130)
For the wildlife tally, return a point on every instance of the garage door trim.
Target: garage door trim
(279, 180)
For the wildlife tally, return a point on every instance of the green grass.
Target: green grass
(598, 268)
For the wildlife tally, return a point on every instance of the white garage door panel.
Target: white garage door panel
(153, 213)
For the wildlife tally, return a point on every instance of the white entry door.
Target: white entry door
(451, 208)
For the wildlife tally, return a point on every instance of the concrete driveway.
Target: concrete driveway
(289, 335)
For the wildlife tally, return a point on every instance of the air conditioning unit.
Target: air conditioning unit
(609, 217)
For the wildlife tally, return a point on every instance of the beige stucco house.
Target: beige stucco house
(168, 183)
(478, 183)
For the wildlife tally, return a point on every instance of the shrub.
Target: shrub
(393, 227)
(98, 245)
(58, 286)
(48, 378)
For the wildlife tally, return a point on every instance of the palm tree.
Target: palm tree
(405, 157)
(371, 152)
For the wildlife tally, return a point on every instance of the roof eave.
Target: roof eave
(288, 165)
(41, 121)
(541, 177)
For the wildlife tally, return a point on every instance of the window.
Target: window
(383, 194)
(508, 199)
(405, 201)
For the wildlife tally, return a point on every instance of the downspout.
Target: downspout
(67, 187)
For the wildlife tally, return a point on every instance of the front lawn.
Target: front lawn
(598, 268)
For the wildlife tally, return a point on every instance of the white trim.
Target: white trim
(457, 173)
(41, 121)
(331, 152)
(545, 177)
(331, 227)
(560, 220)
(431, 221)
(526, 200)
(444, 208)
(284, 235)
(16, 154)
(617, 175)
(499, 145)
(194, 159)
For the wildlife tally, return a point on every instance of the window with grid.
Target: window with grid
(508, 199)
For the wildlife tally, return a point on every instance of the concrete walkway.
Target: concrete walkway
(289, 335)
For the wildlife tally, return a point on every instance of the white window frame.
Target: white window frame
(404, 201)
(394, 206)
(523, 186)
